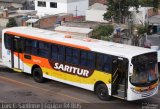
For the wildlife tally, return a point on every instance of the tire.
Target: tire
(102, 92)
(38, 75)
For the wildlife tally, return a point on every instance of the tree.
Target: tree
(103, 32)
(142, 31)
(11, 23)
(119, 9)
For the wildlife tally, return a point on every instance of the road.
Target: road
(19, 89)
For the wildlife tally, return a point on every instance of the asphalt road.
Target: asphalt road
(20, 90)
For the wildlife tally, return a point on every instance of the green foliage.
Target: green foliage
(142, 29)
(103, 32)
(119, 9)
(11, 23)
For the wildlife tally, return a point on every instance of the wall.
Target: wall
(63, 6)
(80, 5)
(91, 16)
(3, 22)
(47, 22)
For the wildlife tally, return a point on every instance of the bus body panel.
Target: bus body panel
(72, 79)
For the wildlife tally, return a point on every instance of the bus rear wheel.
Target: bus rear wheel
(102, 92)
(38, 75)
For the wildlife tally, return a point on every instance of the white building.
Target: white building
(142, 15)
(96, 12)
(75, 7)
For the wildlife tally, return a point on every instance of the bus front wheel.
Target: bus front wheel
(102, 92)
(38, 75)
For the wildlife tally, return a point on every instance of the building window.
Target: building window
(53, 4)
(41, 4)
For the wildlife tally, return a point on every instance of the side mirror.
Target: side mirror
(130, 70)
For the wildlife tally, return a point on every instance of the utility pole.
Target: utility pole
(76, 11)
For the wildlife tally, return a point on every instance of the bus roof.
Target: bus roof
(106, 47)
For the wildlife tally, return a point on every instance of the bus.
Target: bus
(106, 68)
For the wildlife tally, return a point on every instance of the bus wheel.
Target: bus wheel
(38, 75)
(102, 92)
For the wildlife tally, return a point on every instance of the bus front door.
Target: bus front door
(119, 77)
(17, 53)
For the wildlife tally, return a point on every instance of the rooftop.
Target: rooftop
(98, 6)
(73, 29)
(13, 1)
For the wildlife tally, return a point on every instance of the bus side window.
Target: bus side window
(75, 56)
(87, 59)
(61, 52)
(83, 58)
(72, 56)
(30, 46)
(57, 53)
(43, 49)
(99, 62)
(104, 63)
(91, 60)
(8, 41)
(107, 63)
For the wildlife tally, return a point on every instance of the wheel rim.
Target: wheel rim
(102, 92)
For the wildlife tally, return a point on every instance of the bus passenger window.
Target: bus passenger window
(61, 52)
(43, 49)
(99, 62)
(103, 63)
(107, 63)
(91, 60)
(83, 59)
(8, 41)
(31, 46)
(75, 56)
(54, 52)
(68, 55)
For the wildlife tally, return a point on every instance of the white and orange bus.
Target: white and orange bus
(107, 68)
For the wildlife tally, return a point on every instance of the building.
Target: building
(75, 7)
(154, 23)
(77, 32)
(14, 4)
(91, 2)
(99, 9)
(142, 15)
(49, 21)
(18, 15)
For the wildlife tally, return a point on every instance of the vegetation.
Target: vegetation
(119, 9)
(103, 32)
(11, 23)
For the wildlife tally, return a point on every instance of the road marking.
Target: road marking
(61, 94)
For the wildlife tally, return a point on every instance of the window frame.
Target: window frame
(53, 4)
(41, 3)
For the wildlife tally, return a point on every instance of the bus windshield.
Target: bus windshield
(144, 69)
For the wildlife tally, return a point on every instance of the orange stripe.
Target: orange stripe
(46, 40)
